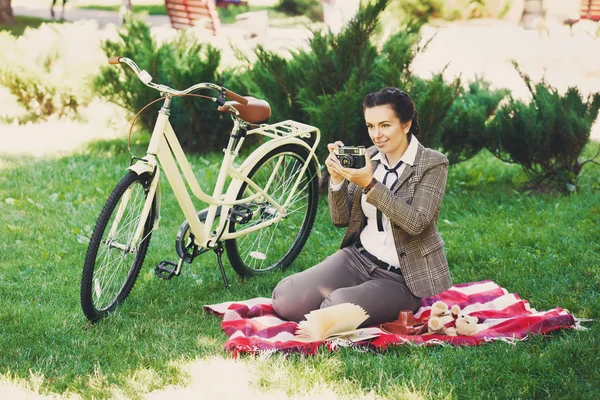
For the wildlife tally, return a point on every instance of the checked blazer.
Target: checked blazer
(412, 205)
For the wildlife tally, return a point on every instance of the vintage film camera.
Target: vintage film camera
(351, 156)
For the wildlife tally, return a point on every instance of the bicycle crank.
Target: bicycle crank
(185, 245)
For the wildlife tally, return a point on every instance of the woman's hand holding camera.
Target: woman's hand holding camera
(361, 177)
(333, 161)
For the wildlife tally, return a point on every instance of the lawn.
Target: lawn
(543, 247)
(21, 23)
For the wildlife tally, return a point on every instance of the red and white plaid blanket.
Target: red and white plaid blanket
(253, 326)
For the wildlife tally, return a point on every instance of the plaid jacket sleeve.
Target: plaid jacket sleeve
(417, 215)
(340, 205)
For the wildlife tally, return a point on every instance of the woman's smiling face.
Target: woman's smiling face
(387, 132)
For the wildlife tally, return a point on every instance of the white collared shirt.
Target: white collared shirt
(381, 244)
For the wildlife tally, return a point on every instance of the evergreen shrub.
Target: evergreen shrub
(463, 130)
(323, 85)
(425, 10)
(311, 8)
(433, 99)
(178, 63)
(393, 63)
(418, 10)
(546, 136)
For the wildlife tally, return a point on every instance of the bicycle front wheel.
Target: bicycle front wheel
(277, 245)
(113, 260)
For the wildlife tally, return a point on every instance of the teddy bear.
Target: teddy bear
(442, 319)
(451, 322)
(466, 325)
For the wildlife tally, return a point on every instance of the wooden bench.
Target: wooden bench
(187, 13)
(590, 9)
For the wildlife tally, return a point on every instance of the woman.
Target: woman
(392, 253)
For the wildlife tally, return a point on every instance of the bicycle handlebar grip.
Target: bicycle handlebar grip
(236, 97)
(114, 60)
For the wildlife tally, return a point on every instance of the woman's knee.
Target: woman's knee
(336, 297)
(279, 298)
(295, 296)
(287, 303)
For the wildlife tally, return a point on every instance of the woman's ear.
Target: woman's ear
(407, 126)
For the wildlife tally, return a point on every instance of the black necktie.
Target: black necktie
(388, 171)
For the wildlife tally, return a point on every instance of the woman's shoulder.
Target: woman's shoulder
(432, 157)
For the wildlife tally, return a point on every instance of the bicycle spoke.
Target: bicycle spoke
(118, 251)
(285, 177)
(113, 259)
(108, 282)
(264, 233)
(111, 265)
(270, 241)
(281, 181)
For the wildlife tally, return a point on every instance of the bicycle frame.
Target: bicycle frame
(165, 150)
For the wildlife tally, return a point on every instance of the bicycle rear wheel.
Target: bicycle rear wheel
(113, 262)
(277, 245)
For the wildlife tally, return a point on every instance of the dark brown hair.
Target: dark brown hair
(400, 102)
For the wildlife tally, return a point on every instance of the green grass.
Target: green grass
(22, 23)
(150, 9)
(543, 247)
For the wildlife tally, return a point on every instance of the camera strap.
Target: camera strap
(388, 172)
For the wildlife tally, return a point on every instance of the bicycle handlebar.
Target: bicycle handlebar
(146, 78)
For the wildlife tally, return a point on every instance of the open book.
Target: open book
(341, 320)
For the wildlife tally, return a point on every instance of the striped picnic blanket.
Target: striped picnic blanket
(253, 326)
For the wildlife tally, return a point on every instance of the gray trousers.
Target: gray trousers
(344, 277)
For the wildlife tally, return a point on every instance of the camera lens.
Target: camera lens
(346, 161)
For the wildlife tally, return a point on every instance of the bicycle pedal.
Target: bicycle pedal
(164, 271)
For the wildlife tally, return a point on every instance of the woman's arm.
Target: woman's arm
(340, 205)
(415, 217)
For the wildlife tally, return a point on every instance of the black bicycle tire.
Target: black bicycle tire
(87, 303)
(231, 245)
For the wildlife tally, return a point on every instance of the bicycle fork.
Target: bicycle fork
(132, 245)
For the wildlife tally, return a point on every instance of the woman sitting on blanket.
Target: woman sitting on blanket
(392, 253)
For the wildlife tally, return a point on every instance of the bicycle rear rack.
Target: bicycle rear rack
(284, 129)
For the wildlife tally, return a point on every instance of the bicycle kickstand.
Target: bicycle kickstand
(219, 250)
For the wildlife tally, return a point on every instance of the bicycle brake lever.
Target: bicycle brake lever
(222, 97)
(231, 109)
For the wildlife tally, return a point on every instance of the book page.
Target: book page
(357, 335)
(325, 322)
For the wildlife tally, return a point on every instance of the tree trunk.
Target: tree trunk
(6, 14)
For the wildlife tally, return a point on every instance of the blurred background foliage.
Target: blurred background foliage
(321, 84)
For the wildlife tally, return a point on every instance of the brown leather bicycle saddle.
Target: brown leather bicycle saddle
(256, 111)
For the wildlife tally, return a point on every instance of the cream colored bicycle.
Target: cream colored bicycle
(260, 212)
